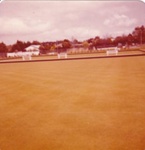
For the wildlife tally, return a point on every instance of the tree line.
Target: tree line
(136, 37)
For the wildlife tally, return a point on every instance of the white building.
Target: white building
(30, 50)
(33, 49)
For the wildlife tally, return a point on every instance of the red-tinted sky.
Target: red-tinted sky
(57, 20)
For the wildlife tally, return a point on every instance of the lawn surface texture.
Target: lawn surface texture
(96, 104)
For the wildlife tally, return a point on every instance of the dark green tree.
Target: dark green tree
(66, 44)
(3, 48)
(139, 34)
(19, 46)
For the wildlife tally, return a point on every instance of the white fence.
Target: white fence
(21, 54)
(114, 51)
(64, 55)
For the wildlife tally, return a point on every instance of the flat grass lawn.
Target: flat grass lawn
(94, 104)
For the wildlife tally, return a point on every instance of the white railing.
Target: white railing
(114, 51)
(20, 54)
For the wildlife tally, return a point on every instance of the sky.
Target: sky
(57, 20)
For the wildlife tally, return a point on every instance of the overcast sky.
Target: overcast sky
(58, 20)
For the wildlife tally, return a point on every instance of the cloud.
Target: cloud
(114, 8)
(82, 33)
(19, 26)
(120, 20)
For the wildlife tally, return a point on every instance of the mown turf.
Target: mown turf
(94, 104)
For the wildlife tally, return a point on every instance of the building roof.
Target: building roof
(32, 48)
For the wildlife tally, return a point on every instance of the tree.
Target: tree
(142, 34)
(52, 48)
(139, 34)
(66, 44)
(97, 42)
(18, 46)
(130, 39)
(86, 45)
(36, 43)
(27, 44)
(74, 41)
(3, 48)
